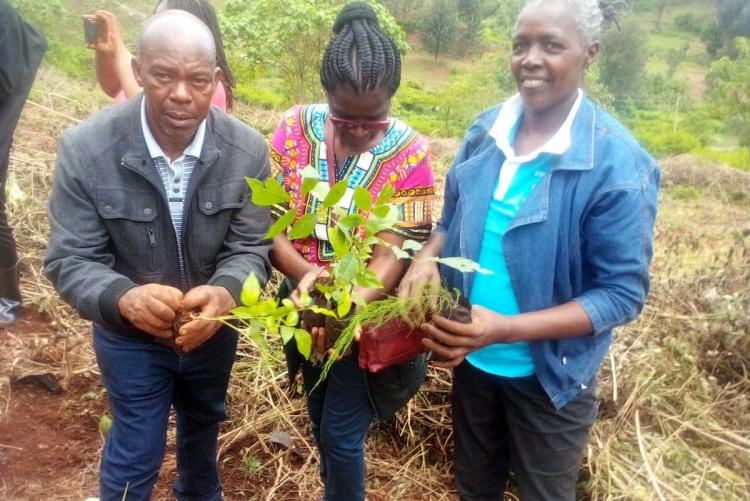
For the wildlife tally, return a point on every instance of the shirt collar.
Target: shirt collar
(193, 149)
(507, 119)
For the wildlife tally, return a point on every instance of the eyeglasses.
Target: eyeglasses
(343, 123)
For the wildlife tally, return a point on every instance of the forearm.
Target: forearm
(386, 266)
(107, 74)
(286, 259)
(433, 247)
(559, 322)
(125, 71)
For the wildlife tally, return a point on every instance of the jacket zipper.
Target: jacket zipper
(152, 241)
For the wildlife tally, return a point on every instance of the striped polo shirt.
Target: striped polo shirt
(175, 175)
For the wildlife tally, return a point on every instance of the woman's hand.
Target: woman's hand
(420, 274)
(421, 277)
(108, 35)
(306, 284)
(452, 341)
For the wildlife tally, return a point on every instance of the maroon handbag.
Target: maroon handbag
(392, 343)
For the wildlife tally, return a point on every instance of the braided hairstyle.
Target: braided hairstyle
(591, 16)
(204, 11)
(360, 54)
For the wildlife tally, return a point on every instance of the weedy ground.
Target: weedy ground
(673, 420)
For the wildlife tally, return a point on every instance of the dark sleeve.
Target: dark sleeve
(21, 50)
(245, 249)
(78, 260)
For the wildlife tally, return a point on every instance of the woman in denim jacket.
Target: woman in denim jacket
(557, 199)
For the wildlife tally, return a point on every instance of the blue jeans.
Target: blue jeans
(341, 412)
(144, 379)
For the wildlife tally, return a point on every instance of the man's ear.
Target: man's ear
(135, 63)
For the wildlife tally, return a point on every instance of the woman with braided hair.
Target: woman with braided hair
(559, 200)
(351, 137)
(113, 59)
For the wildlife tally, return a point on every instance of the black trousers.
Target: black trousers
(509, 424)
(8, 256)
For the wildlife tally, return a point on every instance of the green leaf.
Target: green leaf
(321, 191)
(292, 318)
(250, 290)
(399, 253)
(242, 313)
(310, 179)
(382, 211)
(303, 227)
(358, 299)
(344, 305)
(287, 333)
(376, 224)
(270, 193)
(346, 269)
(412, 245)
(309, 184)
(463, 265)
(367, 279)
(304, 342)
(281, 224)
(336, 194)
(105, 423)
(385, 194)
(339, 240)
(362, 198)
(351, 221)
(323, 311)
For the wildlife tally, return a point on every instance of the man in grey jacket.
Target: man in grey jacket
(150, 218)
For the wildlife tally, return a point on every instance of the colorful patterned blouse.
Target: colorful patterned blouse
(401, 158)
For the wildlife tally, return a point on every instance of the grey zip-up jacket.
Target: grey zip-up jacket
(110, 226)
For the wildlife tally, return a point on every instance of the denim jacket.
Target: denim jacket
(584, 234)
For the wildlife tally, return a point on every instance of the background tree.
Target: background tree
(733, 18)
(292, 44)
(674, 57)
(472, 13)
(439, 27)
(729, 90)
(623, 60)
(712, 39)
(660, 8)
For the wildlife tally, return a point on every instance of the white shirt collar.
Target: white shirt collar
(509, 115)
(193, 149)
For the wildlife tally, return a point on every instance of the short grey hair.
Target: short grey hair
(589, 15)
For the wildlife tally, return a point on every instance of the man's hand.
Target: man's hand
(452, 341)
(210, 301)
(151, 308)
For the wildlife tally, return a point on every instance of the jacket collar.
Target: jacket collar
(477, 176)
(137, 156)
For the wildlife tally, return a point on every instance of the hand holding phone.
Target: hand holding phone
(90, 30)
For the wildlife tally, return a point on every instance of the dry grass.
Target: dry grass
(673, 393)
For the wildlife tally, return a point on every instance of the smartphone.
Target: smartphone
(89, 30)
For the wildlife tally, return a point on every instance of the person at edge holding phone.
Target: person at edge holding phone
(113, 68)
(559, 200)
